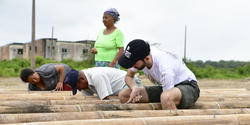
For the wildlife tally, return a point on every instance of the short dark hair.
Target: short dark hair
(25, 73)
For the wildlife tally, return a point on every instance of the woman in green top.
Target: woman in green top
(110, 41)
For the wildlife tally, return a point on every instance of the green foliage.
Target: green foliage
(12, 68)
(78, 65)
(208, 69)
(244, 70)
(219, 70)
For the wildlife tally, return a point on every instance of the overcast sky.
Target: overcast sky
(216, 29)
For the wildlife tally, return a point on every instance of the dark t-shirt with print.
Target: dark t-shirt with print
(49, 75)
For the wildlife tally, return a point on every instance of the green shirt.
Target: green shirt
(107, 45)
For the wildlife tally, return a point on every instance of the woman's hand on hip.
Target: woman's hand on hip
(93, 50)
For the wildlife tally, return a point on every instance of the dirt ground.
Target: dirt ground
(17, 84)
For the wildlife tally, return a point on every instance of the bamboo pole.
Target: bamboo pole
(233, 95)
(113, 101)
(223, 89)
(236, 119)
(224, 92)
(220, 105)
(58, 102)
(39, 117)
(202, 97)
(221, 99)
(27, 97)
(38, 94)
(67, 97)
(202, 93)
(35, 108)
(40, 97)
(20, 91)
(13, 91)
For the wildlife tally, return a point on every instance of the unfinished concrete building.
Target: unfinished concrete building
(50, 49)
(11, 51)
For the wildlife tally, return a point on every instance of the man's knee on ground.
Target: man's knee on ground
(166, 97)
(124, 95)
(171, 97)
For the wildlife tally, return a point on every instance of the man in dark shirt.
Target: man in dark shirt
(47, 77)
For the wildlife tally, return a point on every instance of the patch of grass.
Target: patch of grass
(209, 69)
(12, 68)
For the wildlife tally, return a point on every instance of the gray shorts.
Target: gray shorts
(189, 90)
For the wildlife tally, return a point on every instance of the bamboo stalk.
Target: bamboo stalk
(226, 96)
(202, 97)
(202, 93)
(221, 99)
(220, 105)
(223, 89)
(11, 91)
(224, 92)
(58, 102)
(27, 97)
(39, 94)
(39, 117)
(236, 119)
(35, 108)
(112, 101)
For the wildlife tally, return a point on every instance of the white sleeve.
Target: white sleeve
(102, 85)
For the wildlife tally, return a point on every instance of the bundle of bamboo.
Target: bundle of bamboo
(40, 117)
(215, 106)
(236, 119)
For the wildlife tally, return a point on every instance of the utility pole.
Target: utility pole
(185, 43)
(52, 33)
(33, 59)
(52, 39)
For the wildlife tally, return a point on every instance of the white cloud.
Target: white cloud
(217, 29)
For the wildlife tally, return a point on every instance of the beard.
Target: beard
(142, 66)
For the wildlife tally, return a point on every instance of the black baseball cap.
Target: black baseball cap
(136, 50)
(71, 79)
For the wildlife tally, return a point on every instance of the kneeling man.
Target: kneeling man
(104, 81)
(178, 85)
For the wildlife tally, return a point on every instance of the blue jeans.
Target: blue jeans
(105, 64)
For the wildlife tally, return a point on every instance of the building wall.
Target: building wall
(5, 53)
(26, 51)
(15, 51)
(39, 47)
(50, 49)
(74, 51)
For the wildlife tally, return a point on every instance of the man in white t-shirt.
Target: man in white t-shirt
(178, 86)
(104, 81)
